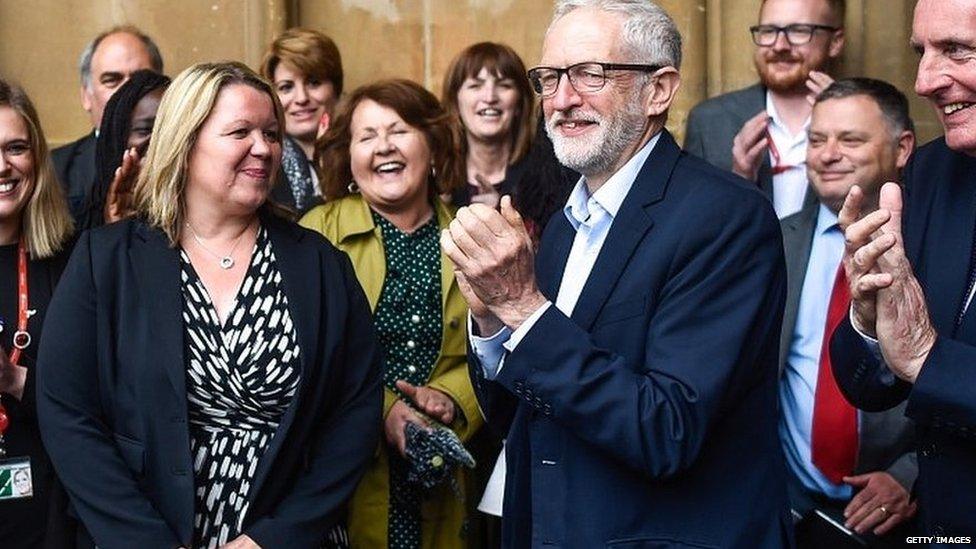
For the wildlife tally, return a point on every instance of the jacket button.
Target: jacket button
(454, 323)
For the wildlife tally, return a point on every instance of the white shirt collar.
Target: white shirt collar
(610, 196)
(777, 121)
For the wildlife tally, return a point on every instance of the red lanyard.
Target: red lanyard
(777, 167)
(21, 339)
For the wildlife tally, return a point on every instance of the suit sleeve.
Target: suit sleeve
(864, 379)
(944, 395)
(905, 470)
(711, 338)
(345, 442)
(104, 492)
(497, 405)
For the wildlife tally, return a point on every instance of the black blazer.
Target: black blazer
(939, 216)
(111, 392)
(75, 165)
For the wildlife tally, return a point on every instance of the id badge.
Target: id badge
(16, 480)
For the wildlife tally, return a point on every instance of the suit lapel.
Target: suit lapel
(157, 268)
(301, 278)
(797, 240)
(628, 229)
(948, 283)
(553, 254)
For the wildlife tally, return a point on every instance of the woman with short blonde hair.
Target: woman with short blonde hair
(211, 375)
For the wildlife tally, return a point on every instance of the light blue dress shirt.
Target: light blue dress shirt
(799, 381)
(591, 216)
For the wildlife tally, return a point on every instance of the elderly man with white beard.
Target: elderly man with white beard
(632, 361)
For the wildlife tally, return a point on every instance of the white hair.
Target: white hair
(649, 33)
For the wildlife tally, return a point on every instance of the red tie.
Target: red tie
(834, 439)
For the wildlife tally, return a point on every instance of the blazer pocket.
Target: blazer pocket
(133, 453)
(621, 310)
(657, 542)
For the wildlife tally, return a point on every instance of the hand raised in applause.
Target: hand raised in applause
(879, 505)
(494, 255)
(749, 146)
(118, 201)
(817, 82)
(887, 300)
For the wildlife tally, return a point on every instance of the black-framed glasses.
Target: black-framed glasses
(587, 77)
(797, 34)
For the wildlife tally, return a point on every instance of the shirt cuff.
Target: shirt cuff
(523, 330)
(489, 350)
(872, 343)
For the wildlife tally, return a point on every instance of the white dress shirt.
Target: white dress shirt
(789, 187)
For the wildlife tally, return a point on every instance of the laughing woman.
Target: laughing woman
(385, 160)
(209, 373)
(35, 227)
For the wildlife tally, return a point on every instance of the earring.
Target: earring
(352, 187)
(433, 172)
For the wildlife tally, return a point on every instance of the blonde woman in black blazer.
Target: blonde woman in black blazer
(209, 373)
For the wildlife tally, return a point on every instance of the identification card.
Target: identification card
(16, 481)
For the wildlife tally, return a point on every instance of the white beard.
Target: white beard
(597, 151)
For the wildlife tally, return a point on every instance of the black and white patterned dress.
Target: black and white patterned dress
(240, 380)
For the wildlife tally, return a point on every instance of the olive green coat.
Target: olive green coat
(348, 224)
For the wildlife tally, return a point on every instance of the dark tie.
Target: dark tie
(834, 439)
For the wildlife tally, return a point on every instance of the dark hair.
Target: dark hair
(417, 107)
(893, 103)
(502, 62)
(309, 51)
(837, 7)
(85, 61)
(113, 135)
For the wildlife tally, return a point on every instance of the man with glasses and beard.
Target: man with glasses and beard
(760, 132)
(632, 361)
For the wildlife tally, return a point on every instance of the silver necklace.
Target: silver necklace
(226, 262)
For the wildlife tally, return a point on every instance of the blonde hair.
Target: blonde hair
(189, 100)
(46, 225)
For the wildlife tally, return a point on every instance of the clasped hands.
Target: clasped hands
(494, 264)
(887, 300)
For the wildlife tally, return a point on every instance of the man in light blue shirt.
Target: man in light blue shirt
(860, 133)
(632, 362)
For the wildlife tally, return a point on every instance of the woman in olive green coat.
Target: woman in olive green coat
(387, 157)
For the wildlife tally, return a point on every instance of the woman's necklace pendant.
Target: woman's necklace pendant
(226, 262)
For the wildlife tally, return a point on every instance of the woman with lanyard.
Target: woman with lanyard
(35, 228)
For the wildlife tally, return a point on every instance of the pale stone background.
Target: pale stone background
(41, 41)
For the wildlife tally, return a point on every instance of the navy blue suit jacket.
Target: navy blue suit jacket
(648, 419)
(938, 222)
(112, 399)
